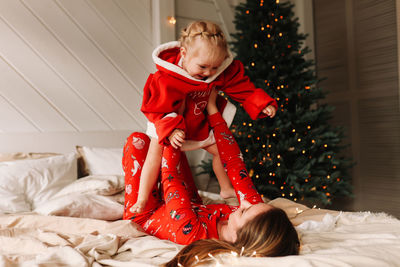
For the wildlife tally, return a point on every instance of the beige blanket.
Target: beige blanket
(329, 238)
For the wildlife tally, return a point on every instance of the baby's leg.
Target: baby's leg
(227, 190)
(150, 173)
(135, 152)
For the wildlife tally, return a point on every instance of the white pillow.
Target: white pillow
(103, 161)
(26, 184)
(105, 185)
(83, 206)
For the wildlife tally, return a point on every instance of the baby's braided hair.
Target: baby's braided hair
(205, 30)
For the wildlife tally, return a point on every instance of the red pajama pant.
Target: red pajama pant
(174, 211)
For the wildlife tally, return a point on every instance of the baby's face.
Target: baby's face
(200, 60)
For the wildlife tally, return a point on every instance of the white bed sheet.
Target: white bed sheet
(80, 224)
(328, 238)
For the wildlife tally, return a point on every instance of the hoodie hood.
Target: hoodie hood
(166, 57)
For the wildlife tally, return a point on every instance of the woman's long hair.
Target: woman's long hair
(269, 234)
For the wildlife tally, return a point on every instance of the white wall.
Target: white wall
(72, 71)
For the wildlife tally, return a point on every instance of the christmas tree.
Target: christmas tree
(296, 154)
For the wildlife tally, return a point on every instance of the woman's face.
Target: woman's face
(245, 213)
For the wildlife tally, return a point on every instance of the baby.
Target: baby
(175, 98)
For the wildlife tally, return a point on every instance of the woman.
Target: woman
(260, 229)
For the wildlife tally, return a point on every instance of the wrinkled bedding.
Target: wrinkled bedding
(328, 238)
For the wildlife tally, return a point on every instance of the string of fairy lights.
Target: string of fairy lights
(303, 144)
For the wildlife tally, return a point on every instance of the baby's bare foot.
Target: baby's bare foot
(139, 206)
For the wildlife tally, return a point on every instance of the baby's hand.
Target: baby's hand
(270, 111)
(139, 206)
(177, 138)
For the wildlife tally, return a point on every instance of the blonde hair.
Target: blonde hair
(269, 234)
(206, 31)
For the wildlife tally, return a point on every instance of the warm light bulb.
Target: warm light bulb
(171, 20)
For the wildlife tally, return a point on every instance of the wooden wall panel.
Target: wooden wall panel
(72, 68)
(218, 11)
(379, 154)
(13, 120)
(376, 46)
(38, 72)
(29, 102)
(331, 52)
(372, 97)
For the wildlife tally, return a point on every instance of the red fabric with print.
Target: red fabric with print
(178, 214)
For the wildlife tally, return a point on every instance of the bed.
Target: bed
(50, 217)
